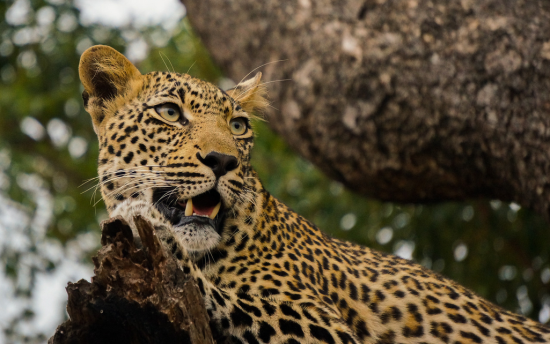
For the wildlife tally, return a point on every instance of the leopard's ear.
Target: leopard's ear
(105, 74)
(250, 94)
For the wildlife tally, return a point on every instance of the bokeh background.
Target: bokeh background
(49, 213)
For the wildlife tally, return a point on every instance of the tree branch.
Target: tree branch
(406, 100)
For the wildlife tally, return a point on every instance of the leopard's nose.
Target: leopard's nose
(219, 163)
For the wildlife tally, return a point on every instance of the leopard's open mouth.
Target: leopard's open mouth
(205, 209)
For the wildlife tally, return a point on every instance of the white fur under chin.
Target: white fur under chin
(130, 208)
(194, 238)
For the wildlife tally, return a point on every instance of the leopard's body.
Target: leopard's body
(267, 274)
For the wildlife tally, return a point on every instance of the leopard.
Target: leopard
(176, 150)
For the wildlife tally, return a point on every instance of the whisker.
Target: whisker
(119, 171)
(145, 173)
(272, 81)
(173, 69)
(168, 194)
(138, 184)
(191, 67)
(160, 54)
(135, 186)
(265, 64)
(120, 177)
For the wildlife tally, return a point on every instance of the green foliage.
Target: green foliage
(496, 249)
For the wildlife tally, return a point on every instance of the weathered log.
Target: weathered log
(405, 100)
(136, 295)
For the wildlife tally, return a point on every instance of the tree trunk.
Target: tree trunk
(403, 100)
(136, 295)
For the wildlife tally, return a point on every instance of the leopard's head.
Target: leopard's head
(173, 140)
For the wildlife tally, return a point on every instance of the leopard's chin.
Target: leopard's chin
(197, 236)
(197, 221)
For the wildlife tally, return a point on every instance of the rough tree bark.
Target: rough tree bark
(402, 100)
(136, 295)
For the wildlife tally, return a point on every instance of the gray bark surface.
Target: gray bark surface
(404, 100)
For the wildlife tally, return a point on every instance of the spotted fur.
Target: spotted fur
(269, 276)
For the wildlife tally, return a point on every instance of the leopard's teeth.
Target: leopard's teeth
(215, 210)
(189, 207)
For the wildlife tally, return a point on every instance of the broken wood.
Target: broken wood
(138, 295)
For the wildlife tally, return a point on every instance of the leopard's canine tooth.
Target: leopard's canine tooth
(189, 207)
(215, 210)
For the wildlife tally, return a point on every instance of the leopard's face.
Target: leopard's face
(177, 142)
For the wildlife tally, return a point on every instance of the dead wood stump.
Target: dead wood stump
(138, 295)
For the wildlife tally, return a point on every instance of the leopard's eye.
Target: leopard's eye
(168, 111)
(238, 126)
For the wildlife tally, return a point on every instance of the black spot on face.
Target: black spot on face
(291, 327)
(287, 310)
(321, 334)
(128, 158)
(240, 318)
(265, 332)
(268, 308)
(250, 338)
